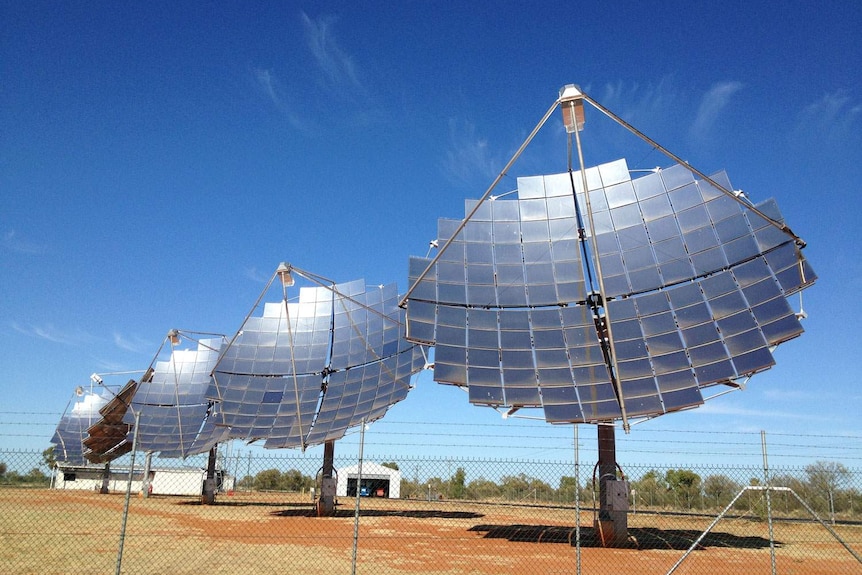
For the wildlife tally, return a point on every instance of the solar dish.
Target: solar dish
(109, 437)
(174, 416)
(594, 296)
(303, 372)
(68, 439)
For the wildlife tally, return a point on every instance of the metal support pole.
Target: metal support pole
(612, 521)
(248, 472)
(823, 523)
(607, 337)
(358, 497)
(761, 488)
(484, 197)
(768, 500)
(106, 479)
(209, 489)
(128, 495)
(777, 224)
(706, 531)
(607, 461)
(577, 503)
(145, 482)
(326, 501)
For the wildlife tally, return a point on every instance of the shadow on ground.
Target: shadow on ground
(235, 503)
(639, 537)
(305, 511)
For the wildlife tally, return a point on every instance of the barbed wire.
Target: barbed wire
(528, 439)
(505, 425)
(51, 413)
(641, 431)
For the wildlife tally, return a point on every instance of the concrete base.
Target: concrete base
(326, 503)
(613, 532)
(325, 507)
(209, 491)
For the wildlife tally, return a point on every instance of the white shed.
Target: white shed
(377, 481)
(163, 481)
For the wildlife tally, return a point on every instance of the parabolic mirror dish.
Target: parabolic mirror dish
(110, 437)
(303, 372)
(695, 290)
(174, 416)
(68, 439)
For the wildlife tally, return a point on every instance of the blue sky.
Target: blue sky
(157, 163)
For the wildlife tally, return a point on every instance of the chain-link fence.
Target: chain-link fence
(404, 514)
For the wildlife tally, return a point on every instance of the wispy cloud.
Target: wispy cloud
(833, 115)
(335, 62)
(468, 156)
(105, 366)
(641, 103)
(52, 333)
(300, 95)
(13, 242)
(266, 82)
(784, 394)
(654, 108)
(711, 105)
(717, 408)
(76, 337)
(256, 276)
(275, 92)
(133, 344)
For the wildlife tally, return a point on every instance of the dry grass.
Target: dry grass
(54, 532)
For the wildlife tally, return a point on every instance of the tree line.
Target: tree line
(825, 486)
(33, 478)
(275, 480)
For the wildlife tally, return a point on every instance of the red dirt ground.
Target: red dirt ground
(407, 537)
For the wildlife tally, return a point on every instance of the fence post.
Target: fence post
(128, 494)
(707, 530)
(768, 500)
(577, 504)
(145, 482)
(358, 495)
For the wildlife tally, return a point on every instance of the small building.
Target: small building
(163, 481)
(377, 481)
